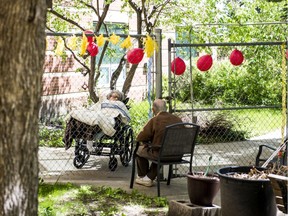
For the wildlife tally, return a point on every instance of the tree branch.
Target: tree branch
(117, 72)
(73, 54)
(134, 5)
(155, 13)
(91, 7)
(128, 80)
(138, 12)
(66, 19)
(102, 18)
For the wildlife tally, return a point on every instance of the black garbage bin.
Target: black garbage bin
(244, 197)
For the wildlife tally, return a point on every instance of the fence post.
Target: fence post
(158, 62)
(169, 77)
(286, 88)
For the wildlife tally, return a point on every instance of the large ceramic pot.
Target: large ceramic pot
(202, 189)
(247, 197)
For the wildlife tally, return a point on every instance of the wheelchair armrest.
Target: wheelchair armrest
(258, 159)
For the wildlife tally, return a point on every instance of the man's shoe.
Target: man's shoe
(144, 181)
(138, 177)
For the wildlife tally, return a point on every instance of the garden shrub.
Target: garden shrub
(219, 127)
(249, 85)
(51, 136)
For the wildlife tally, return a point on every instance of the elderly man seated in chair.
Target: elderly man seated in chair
(152, 133)
(102, 114)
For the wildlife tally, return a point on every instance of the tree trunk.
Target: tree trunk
(22, 45)
(129, 79)
(91, 81)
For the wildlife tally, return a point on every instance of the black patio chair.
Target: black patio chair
(260, 159)
(179, 140)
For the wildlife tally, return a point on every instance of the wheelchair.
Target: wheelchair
(121, 143)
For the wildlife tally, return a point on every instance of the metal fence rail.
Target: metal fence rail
(64, 91)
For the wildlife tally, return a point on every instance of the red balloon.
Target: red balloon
(236, 57)
(135, 56)
(89, 38)
(178, 66)
(204, 63)
(92, 49)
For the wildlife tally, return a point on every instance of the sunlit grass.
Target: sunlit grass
(259, 121)
(69, 199)
(250, 122)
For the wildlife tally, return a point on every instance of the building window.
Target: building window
(106, 74)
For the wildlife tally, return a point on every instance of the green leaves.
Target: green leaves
(208, 166)
(230, 21)
(51, 137)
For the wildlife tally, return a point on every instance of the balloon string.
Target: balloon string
(149, 87)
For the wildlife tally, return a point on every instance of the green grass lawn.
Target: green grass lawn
(258, 122)
(69, 199)
(251, 122)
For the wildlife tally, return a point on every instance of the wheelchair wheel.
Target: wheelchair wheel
(113, 163)
(81, 157)
(126, 146)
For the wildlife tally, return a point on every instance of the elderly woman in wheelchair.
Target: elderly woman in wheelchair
(101, 129)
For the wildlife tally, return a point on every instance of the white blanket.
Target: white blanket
(102, 114)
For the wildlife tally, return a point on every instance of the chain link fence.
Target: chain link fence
(78, 136)
(238, 107)
(233, 124)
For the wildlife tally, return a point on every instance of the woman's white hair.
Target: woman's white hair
(119, 93)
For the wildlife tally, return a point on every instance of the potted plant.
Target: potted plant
(245, 190)
(203, 187)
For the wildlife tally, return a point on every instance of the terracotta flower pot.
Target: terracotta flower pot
(202, 189)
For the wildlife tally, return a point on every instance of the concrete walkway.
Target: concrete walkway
(56, 165)
(176, 191)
